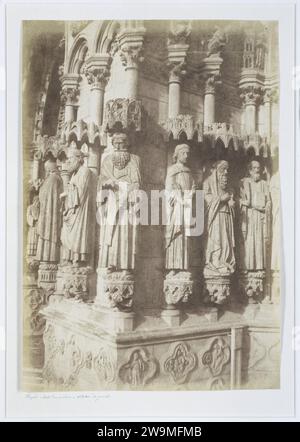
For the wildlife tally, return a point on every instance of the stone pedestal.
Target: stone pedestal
(82, 353)
(115, 291)
(47, 277)
(73, 281)
(216, 289)
(252, 285)
(178, 288)
(34, 322)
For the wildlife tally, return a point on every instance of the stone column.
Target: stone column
(176, 73)
(71, 95)
(209, 101)
(131, 45)
(177, 50)
(250, 98)
(97, 74)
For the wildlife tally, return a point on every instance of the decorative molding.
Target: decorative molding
(217, 290)
(183, 124)
(178, 287)
(140, 368)
(75, 281)
(217, 356)
(180, 363)
(124, 111)
(118, 289)
(252, 284)
(221, 131)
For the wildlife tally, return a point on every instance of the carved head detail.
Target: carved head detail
(50, 166)
(75, 159)
(121, 155)
(181, 154)
(255, 170)
(222, 174)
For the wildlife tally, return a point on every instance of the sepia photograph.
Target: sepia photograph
(151, 205)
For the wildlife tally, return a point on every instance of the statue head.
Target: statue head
(222, 168)
(255, 170)
(121, 156)
(120, 142)
(75, 159)
(182, 153)
(50, 166)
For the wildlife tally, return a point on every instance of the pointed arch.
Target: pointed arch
(104, 37)
(77, 55)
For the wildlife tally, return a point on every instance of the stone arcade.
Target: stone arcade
(176, 105)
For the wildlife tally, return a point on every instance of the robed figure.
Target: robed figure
(79, 213)
(119, 181)
(219, 222)
(49, 223)
(255, 207)
(32, 216)
(180, 188)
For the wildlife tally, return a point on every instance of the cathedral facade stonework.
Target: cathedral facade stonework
(152, 205)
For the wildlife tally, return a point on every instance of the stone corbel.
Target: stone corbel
(123, 112)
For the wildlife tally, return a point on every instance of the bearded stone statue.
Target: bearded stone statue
(119, 178)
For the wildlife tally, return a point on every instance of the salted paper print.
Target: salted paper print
(151, 198)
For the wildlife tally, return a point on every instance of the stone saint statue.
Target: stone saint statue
(179, 204)
(255, 206)
(49, 223)
(120, 177)
(79, 214)
(32, 216)
(219, 238)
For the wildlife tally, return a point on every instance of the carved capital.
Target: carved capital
(251, 95)
(69, 95)
(270, 95)
(131, 55)
(177, 70)
(211, 83)
(97, 77)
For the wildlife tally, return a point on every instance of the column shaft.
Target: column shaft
(174, 99)
(209, 109)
